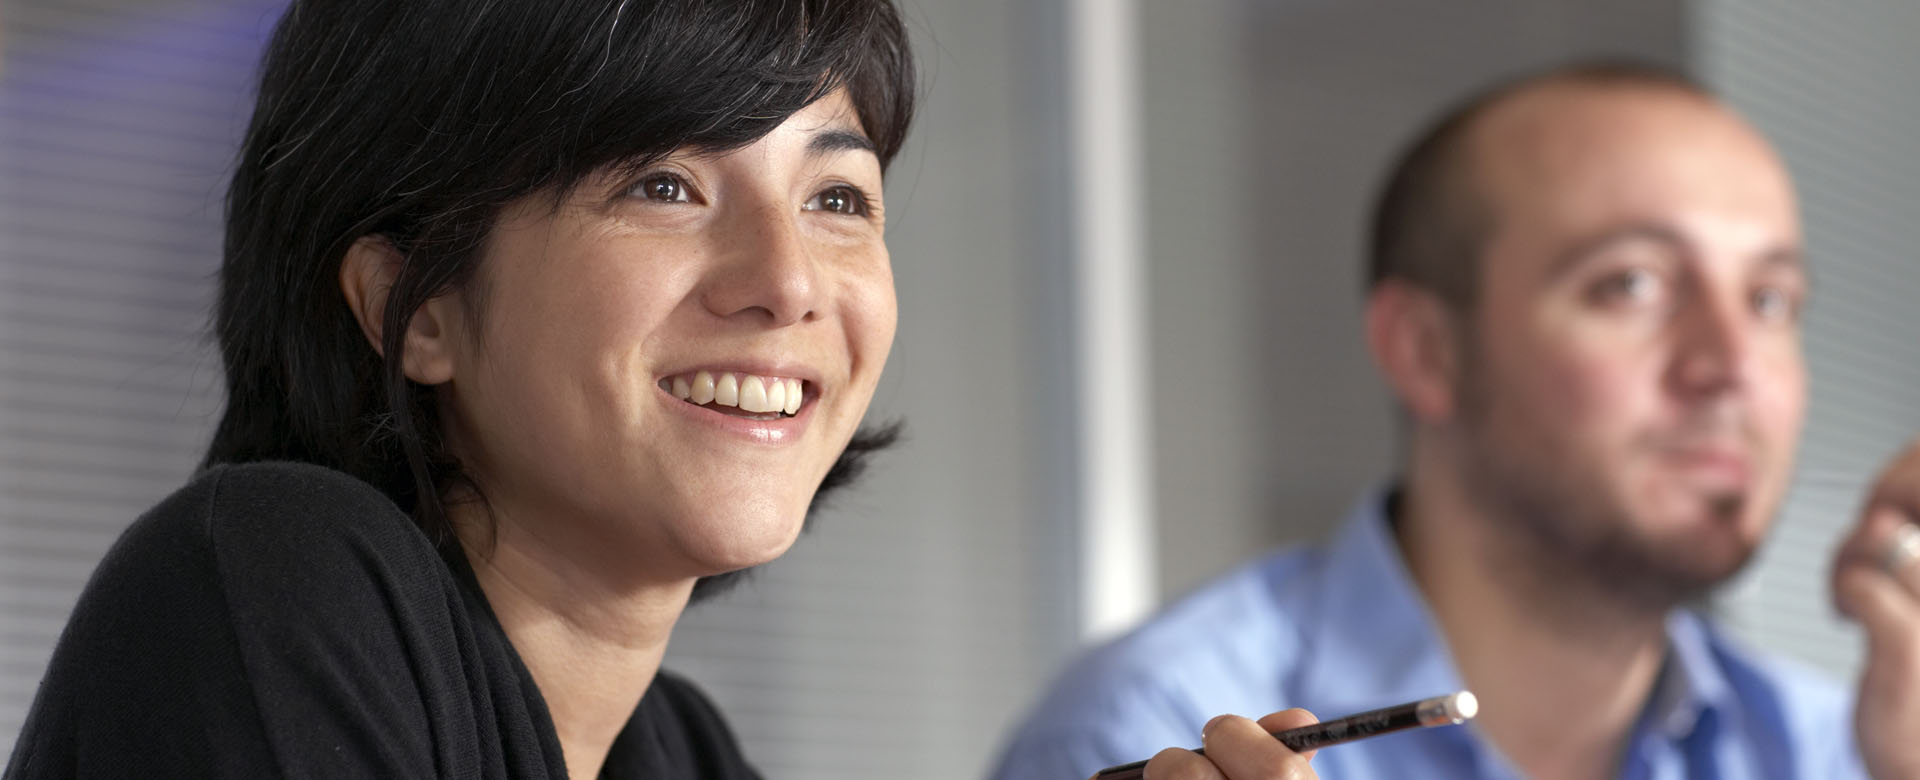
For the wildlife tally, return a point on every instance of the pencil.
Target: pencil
(1445, 710)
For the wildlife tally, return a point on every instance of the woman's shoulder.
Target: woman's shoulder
(264, 615)
(277, 498)
(281, 520)
(281, 539)
(269, 545)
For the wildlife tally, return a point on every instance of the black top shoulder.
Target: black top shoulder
(286, 620)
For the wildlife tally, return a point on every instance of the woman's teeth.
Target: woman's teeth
(748, 393)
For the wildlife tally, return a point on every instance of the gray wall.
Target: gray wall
(1269, 124)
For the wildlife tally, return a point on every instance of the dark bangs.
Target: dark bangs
(648, 78)
(546, 94)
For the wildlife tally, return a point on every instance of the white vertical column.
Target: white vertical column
(1115, 495)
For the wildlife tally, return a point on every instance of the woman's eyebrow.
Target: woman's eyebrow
(838, 140)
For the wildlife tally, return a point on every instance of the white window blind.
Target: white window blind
(1832, 85)
(117, 121)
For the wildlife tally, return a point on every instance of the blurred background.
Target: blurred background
(1042, 497)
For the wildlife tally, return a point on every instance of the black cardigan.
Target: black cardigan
(285, 620)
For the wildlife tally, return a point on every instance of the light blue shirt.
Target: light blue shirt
(1339, 628)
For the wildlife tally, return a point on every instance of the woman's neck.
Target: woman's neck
(592, 641)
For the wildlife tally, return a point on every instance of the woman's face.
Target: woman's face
(667, 365)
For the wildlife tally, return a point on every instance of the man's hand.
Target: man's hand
(1238, 749)
(1876, 581)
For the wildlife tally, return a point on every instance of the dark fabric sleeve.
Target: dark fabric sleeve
(265, 621)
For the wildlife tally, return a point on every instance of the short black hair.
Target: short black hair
(1431, 219)
(419, 121)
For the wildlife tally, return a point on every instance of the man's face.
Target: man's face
(1633, 383)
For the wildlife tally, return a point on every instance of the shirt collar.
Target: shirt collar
(1372, 641)
(1692, 685)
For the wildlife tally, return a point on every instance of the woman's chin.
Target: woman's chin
(725, 547)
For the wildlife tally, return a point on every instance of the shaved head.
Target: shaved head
(1434, 214)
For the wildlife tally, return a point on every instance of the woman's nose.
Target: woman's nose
(766, 269)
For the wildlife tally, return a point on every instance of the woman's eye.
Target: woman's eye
(839, 200)
(663, 187)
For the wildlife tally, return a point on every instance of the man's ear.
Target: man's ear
(366, 275)
(1415, 340)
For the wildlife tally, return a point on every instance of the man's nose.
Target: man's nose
(1715, 345)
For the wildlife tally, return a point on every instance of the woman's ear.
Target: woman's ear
(1413, 338)
(366, 275)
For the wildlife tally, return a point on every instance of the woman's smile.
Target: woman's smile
(771, 407)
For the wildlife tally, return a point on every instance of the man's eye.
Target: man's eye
(839, 200)
(663, 187)
(1775, 304)
(1633, 286)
